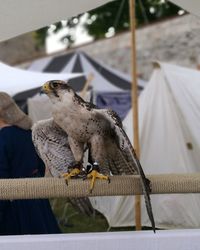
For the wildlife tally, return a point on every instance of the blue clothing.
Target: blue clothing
(18, 159)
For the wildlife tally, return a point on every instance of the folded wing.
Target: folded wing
(51, 144)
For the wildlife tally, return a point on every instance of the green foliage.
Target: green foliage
(115, 16)
(40, 35)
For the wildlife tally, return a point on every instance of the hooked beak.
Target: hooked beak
(45, 88)
(41, 91)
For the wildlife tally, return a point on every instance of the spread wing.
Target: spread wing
(121, 158)
(51, 144)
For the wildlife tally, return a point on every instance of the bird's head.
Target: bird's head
(56, 88)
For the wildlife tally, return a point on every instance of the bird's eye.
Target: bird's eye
(54, 84)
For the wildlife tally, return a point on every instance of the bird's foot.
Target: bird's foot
(73, 173)
(93, 175)
(87, 170)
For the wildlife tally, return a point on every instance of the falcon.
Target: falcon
(51, 144)
(102, 131)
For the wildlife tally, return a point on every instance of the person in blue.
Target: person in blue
(18, 159)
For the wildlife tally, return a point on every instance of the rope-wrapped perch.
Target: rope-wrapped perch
(31, 188)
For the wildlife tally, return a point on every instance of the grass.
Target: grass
(72, 221)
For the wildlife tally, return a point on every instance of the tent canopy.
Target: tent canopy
(18, 17)
(192, 6)
(169, 122)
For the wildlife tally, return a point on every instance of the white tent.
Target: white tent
(21, 16)
(169, 121)
(14, 80)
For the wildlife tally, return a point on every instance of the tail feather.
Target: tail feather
(83, 204)
(146, 185)
(148, 204)
(130, 154)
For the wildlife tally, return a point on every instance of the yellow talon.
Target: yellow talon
(74, 172)
(94, 175)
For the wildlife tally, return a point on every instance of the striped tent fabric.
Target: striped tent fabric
(22, 96)
(110, 87)
(105, 77)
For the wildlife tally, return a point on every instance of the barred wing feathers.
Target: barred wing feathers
(51, 144)
(122, 158)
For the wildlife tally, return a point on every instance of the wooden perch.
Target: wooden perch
(32, 188)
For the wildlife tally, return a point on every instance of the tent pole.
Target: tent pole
(134, 99)
(86, 85)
